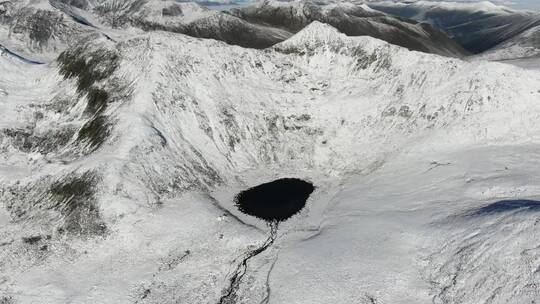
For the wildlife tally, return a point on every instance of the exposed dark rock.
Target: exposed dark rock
(82, 4)
(29, 141)
(75, 198)
(172, 11)
(32, 240)
(88, 66)
(93, 69)
(95, 131)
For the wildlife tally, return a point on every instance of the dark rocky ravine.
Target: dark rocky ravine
(229, 294)
(272, 202)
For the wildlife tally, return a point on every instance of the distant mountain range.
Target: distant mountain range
(44, 28)
(477, 27)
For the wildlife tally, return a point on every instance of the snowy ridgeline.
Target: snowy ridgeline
(120, 161)
(41, 29)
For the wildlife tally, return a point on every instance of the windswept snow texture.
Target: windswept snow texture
(120, 162)
(476, 26)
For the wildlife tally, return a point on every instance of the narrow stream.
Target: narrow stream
(229, 294)
(272, 202)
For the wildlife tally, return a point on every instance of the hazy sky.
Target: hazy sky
(527, 4)
(518, 4)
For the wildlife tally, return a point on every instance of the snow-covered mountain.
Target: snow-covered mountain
(43, 28)
(476, 26)
(195, 20)
(353, 20)
(252, 26)
(121, 158)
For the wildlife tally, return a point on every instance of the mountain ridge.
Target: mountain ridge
(117, 20)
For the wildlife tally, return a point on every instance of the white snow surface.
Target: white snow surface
(402, 146)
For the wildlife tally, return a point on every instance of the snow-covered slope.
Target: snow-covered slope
(524, 45)
(37, 30)
(154, 135)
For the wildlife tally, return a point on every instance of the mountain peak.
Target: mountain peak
(318, 34)
(317, 29)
